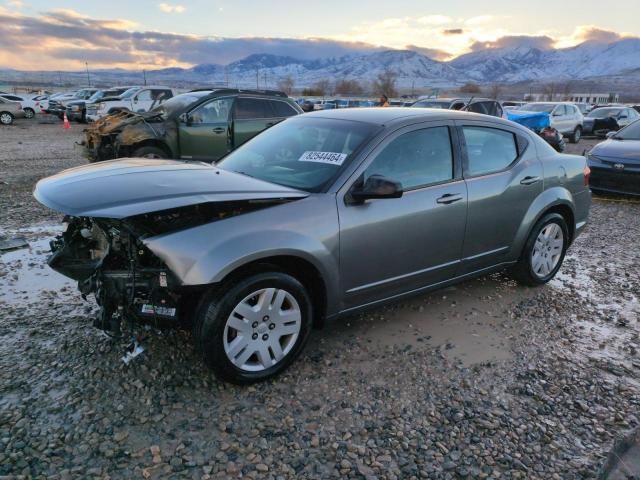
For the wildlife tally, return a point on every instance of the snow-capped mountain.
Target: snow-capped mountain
(413, 69)
(517, 64)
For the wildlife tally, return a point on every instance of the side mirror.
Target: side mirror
(611, 134)
(557, 114)
(623, 117)
(377, 186)
(184, 118)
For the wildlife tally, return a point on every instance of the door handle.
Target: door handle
(219, 130)
(448, 198)
(529, 180)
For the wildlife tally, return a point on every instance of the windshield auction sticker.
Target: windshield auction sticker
(331, 158)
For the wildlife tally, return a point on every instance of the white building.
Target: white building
(590, 98)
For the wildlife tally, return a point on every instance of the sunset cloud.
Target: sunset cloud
(64, 39)
(166, 8)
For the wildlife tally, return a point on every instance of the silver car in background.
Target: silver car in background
(318, 217)
(564, 116)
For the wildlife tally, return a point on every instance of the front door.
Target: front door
(393, 246)
(503, 176)
(205, 133)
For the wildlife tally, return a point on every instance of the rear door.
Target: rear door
(250, 117)
(503, 177)
(205, 133)
(393, 246)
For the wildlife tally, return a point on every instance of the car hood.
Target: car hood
(133, 186)
(620, 151)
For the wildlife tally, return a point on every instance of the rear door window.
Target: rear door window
(251, 108)
(282, 109)
(489, 150)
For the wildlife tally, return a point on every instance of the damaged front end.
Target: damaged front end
(118, 134)
(109, 259)
(127, 280)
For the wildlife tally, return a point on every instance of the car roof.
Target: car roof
(386, 115)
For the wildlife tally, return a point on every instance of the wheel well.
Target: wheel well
(567, 213)
(303, 270)
(151, 142)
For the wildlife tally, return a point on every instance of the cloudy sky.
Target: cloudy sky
(62, 35)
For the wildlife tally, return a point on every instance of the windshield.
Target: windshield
(604, 112)
(129, 93)
(538, 107)
(96, 96)
(431, 104)
(178, 102)
(630, 132)
(303, 153)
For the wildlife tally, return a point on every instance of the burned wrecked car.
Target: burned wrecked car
(200, 125)
(316, 218)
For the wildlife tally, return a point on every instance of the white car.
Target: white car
(565, 117)
(29, 105)
(136, 99)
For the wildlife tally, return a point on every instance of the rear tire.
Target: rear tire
(254, 329)
(576, 135)
(543, 252)
(149, 152)
(29, 113)
(6, 118)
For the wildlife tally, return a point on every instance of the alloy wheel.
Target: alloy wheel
(5, 119)
(547, 250)
(262, 329)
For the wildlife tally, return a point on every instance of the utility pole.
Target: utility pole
(144, 75)
(265, 80)
(86, 64)
(257, 79)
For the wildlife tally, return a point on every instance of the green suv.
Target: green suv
(200, 125)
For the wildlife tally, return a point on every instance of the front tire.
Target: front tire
(544, 251)
(29, 113)
(6, 118)
(576, 135)
(150, 152)
(255, 329)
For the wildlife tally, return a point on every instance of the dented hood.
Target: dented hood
(133, 186)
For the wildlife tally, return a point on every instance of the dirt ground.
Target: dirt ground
(486, 379)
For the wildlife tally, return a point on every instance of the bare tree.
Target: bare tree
(494, 91)
(286, 84)
(319, 89)
(549, 90)
(566, 88)
(470, 88)
(385, 84)
(348, 87)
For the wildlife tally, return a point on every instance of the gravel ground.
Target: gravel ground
(483, 380)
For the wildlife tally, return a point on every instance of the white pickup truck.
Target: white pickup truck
(136, 99)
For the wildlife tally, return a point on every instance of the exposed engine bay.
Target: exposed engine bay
(109, 259)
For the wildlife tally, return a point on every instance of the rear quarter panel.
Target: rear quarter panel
(563, 186)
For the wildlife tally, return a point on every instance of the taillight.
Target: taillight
(586, 172)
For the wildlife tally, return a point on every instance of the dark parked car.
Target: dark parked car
(602, 120)
(485, 106)
(615, 163)
(199, 125)
(320, 216)
(77, 109)
(58, 105)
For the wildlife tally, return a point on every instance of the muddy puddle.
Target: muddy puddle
(25, 277)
